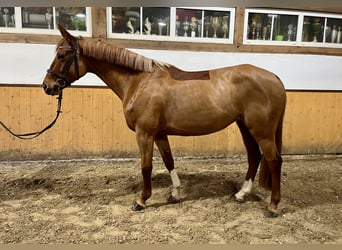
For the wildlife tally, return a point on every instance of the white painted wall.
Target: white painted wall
(27, 64)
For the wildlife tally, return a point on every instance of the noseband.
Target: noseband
(62, 82)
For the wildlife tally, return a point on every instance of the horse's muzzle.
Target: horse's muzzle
(51, 91)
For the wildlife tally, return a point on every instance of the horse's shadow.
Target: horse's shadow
(202, 186)
(194, 186)
(123, 188)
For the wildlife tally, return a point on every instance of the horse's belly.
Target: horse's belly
(199, 108)
(192, 124)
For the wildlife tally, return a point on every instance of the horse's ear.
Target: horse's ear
(66, 34)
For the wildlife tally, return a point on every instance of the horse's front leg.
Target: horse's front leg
(145, 143)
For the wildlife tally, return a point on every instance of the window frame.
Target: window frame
(298, 41)
(172, 37)
(19, 29)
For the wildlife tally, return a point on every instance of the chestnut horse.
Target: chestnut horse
(160, 100)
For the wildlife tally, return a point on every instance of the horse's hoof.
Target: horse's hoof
(137, 207)
(272, 213)
(238, 199)
(172, 200)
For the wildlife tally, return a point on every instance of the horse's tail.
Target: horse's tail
(265, 177)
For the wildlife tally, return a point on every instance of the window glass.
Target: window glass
(216, 24)
(188, 23)
(7, 17)
(141, 21)
(320, 29)
(156, 21)
(274, 27)
(37, 17)
(72, 18)
(171, 23)
(126, 20)
(333, 30)
(313, 29)
(44, 20)
(202, 23)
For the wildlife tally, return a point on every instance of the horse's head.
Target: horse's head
(66, 67)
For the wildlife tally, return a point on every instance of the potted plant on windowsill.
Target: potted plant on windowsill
(278, 35)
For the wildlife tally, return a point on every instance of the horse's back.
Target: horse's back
(249, 75)
(250, 83)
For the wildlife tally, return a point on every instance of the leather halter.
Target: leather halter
(62, 82)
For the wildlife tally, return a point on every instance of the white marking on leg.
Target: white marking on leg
(175, 184)
(245, 189)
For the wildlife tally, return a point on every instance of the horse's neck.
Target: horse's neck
(119, 79)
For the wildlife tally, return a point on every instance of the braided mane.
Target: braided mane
(119, 56)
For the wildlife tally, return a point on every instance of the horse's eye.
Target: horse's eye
(60, 56)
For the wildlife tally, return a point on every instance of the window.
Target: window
(144, 21)
(322, 30)
(271, 27)
(174, 24)
(44, 20)
(292, 28)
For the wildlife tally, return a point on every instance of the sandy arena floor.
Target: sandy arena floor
(88, 201)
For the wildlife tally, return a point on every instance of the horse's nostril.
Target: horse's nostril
(50, 91)
(46, 88)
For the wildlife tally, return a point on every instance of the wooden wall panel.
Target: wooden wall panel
(66, 122)
(107, 119)
(92, 124)
(35, 104)
(14, 120)
(5, 117)
(313, 123)
(97, 118)
(77, 118)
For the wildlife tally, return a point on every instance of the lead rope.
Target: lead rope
(29, 136)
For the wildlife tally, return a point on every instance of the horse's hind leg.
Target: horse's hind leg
(254, 157)
(165, 152)
(271, 169)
